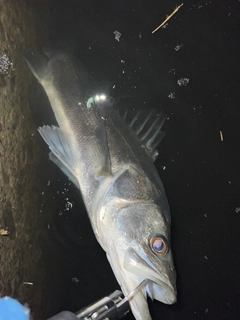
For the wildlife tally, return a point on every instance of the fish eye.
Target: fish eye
(158, 244)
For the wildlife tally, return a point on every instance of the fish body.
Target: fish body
(111, 161)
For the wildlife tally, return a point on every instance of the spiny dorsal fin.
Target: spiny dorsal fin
(147, 125)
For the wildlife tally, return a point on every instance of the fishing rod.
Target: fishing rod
(112, 307)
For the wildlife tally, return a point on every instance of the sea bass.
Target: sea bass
(111, 160)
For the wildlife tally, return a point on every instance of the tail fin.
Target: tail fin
(37, 64)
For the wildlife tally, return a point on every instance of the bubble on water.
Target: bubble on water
(183, 82)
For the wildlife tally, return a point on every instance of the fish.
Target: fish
(110, 158)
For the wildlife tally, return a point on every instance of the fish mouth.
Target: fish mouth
(161, 280)
(131, 266)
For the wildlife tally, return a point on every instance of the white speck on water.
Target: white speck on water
(164, 168)
(76, 280)
(171, 95)
(48, 184)
(205, 215)
(183, 82)
(178, 47)
(68, 205)
(165, 26)
(172, 71)
(140, 35)
(117, 35)
(205, 257)
(60, 213)
(122, 61)
(237, 210)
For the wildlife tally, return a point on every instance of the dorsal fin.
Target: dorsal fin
(147, 125)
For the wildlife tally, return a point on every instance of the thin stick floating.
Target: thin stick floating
(221, 135)
(169, 17)
(26, 283)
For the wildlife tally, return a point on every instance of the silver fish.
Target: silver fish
(111, 160)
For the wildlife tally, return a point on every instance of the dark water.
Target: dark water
(200, 172)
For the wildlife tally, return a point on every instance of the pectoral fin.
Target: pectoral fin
(61, 153)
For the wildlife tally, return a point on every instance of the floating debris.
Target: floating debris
(178, 47)
(169, 17)
(26, 283)
(171, 95)
(5, 64)
(172, 70)
(4, 232)
(117, 35)
(221, 135)
(183, 82)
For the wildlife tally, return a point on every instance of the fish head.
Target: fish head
(140, 249)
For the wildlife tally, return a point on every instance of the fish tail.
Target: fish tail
(37, 64)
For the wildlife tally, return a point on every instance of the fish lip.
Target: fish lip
(170, 296)
(159, 286)
(170, 293)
